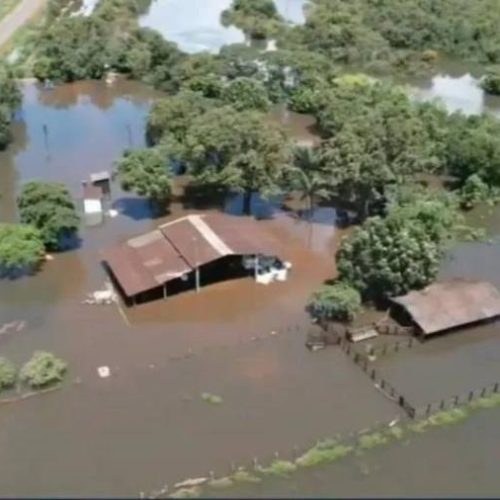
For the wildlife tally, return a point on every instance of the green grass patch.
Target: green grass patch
(6, 6)
(220, 483)
(280, 468)
(193, 492)
(448, 417)
(243, 476)
(396, 432)
(485, 403)
(321, 454)
(213, 399)
(368, 441)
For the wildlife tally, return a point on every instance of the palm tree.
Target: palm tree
(306, 178)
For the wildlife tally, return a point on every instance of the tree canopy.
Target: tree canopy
(147, 173)
(10, 100)
(8, 374)
(50, 208)
(21, 249)
(239, 151)
(338, 302)
(257, 18)
(246, 93)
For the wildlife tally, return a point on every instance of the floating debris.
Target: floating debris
(49, 257)
(17, 326)
(112, 213)
(188, 483)
(211, 398)
(102, 297)
(104, 371)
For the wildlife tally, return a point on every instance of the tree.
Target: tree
(246, 93)
(491, 81)
(388, 257)
(239, 151)
(337, 302)
(173, 116)
(474, 191)
(147, 173)
(5, 133)
(21, 249)
(306, 178)
(50, 208)
(257, 18)
(8, 374)
(42, 370)
(10, 100)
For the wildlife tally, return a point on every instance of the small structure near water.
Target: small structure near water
(92, 204)
(446, 306)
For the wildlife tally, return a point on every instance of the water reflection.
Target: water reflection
(195, 24)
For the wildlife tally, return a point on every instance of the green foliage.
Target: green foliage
(257, 18)
(280, 468)
(474, 191)
(172, 116)
(50, 208)
(10, 100)
(491, 81)
(147, 173)
(8, 374)
(21, 248)
(368, 441)
(388, 257)
(42, 370)
(235, 150)
(340, 302)
(246, 93)
(243, 476)
(323, 454)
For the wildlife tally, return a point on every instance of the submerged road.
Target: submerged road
(18, 17)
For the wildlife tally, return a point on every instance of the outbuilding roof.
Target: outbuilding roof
(178, 247)
(451, 304)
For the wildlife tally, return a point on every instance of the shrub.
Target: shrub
(336, 302)
(8, 374)
(42, 370)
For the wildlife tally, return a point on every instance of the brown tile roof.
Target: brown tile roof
(175, 248)
(451, 304)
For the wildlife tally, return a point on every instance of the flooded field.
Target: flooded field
(458, 462)
(146, 424)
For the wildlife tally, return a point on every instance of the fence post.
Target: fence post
(456, 400)
(495, 389)
(373, 374)
(483, 392)
(441, 406)
(428, 410)
(471, 396)
(382, 384)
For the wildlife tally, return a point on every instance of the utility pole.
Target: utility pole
(197, 268)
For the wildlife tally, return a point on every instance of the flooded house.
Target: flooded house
(447, 306)
(191, 252)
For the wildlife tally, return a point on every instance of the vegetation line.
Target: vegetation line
(331, 450)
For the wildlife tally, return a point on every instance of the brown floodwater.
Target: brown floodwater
(147, 425)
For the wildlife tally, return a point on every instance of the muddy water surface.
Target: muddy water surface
(146, 424)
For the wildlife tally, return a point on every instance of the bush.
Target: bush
(21, 249)
(474, 191)
(8, 374)
(42, 370)
(491, 81)
(339, 302)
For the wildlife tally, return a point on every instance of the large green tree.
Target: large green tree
(246, 93)
(21, 249)
(10, 100)
(50, 208)
(146, 172)
(171, 117)
(240, 151)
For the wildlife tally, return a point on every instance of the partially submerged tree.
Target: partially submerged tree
(491, 81)
(43, 370)
(50, 208)
(305, 177)
(337, 302)
(239, 151)
(10, 100)
(21, 249)
(147, 173)
(172, 116)
(8, 374)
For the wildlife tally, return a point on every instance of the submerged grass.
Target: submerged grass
(331, 450)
